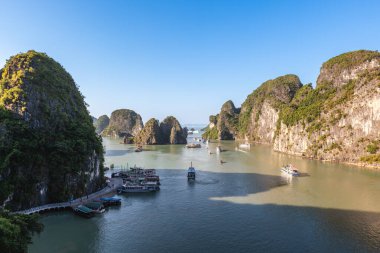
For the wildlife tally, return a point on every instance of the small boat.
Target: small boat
(290, 170)
(84, 211)
(245, 145)
(193, 145)
(191, 172)
(96, 207)
(219, 149)
(139, 149)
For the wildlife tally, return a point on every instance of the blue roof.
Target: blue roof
(110, 199)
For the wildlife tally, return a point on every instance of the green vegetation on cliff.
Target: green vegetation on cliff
(349, 60)
(48, 142)
(150, 134)
(49, 151)
(210, 133)
(309, 103)
(101, 123)
(277, 92)
(123, 122)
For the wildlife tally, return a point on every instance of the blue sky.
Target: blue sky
(185, 58)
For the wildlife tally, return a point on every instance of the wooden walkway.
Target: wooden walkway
(114, 184)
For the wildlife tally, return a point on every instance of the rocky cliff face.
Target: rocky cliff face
(338, 120)
(257, 119)
(172, 132)
(260, 111)
(48, 147)
(223, 126)
(122, 123)
(101, 123)
(168, 132)
(150, 134)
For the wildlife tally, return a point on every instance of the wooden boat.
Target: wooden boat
(84, 211)
(97, 207)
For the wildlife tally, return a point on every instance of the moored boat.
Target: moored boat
(193, 145)
(191, 172)
(111, 201)
(245, 145)
(133, 188)
(84, 211)
(290, 170)
(96, 207)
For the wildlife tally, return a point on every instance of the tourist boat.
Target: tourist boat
(290, 170)
(245, 145)
(193, 145)
(96, 207)
(84, 211)
(130, 188)
(219, 149)
(139, 149)
(191, 172)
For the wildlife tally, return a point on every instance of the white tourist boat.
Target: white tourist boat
(131, 188)
(245, 145)
(290, 170)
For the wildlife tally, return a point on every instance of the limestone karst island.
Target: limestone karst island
(189, 126)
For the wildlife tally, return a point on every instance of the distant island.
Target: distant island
(127, 124)
(338, 120)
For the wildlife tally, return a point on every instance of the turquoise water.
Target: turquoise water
(243, 205)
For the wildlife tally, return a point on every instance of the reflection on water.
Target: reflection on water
(244, 205)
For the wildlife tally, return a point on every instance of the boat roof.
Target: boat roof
(191, 169)
(84, 209)
(110, 199)
(93, 205)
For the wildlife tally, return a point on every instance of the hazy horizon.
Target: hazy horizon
(185, 58)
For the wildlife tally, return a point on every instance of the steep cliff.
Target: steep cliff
(48, 147)
(172, 132)
(150, 134)
(123, 122)
(260, 111)
(223, 126)
(340, 119)
(257, 119)
(101, 123)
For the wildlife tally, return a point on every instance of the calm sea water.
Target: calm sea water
(243, 205)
